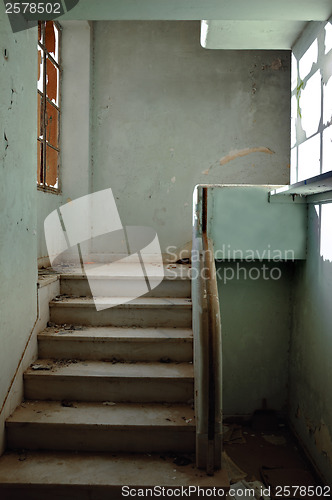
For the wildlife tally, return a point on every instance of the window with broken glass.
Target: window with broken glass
(49, 74)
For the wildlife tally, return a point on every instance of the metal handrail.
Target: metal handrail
(207, 343)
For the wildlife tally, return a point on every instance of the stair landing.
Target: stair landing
(97, 476)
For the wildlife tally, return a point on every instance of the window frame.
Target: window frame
(299, 84)
(42, 181)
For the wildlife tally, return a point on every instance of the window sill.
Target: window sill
(317, 185)
(46, 189)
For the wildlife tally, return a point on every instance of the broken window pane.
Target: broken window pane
(327, 99)
(52, 164)
(310, 104)
(309, 158)
(40, 70)
(328, 37)
(327, 149)
(51, 122)
(308, 59)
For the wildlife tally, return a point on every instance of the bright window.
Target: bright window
(311, 126)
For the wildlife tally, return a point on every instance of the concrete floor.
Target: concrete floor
(274, 453)
(95, 476)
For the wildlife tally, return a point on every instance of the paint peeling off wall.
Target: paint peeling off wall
(233, 155)
(244, 152)
(319, 434)
(276, 65)
(323, 441)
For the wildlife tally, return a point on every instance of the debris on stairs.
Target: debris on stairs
(109, 402)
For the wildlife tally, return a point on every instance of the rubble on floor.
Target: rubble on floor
(233, 434)
(261, 462)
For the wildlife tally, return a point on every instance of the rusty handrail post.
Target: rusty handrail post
(199, 300)
(207, 341)
(215, 359)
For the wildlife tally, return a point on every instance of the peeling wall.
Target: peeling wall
(311, 346)
(166, 111)
(18, 161)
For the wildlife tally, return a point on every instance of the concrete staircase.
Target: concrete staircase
(109, 402)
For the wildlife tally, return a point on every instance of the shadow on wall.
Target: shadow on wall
(311, 345)
(256, 328)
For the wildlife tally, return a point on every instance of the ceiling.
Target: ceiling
(231, 24)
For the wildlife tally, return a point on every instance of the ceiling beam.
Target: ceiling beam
(250, 35)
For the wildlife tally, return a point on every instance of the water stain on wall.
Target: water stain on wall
(233, 155)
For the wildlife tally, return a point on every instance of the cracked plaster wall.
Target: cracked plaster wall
(165, 111)
(18, 160)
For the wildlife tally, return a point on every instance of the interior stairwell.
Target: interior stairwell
(110, 401)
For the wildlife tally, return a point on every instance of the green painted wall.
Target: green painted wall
(252, 238)
(311, 346)
(165, 110)
(256, 323)
(18, 160)
(244, 224)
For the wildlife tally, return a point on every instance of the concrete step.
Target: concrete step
(100, 476)
(176, 282)
(46, 425)
(106, 381)
(129, 344)
(142, 312)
